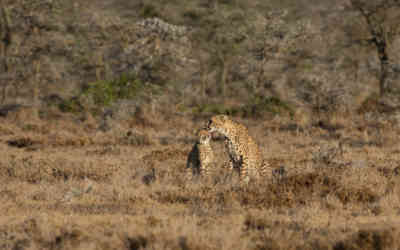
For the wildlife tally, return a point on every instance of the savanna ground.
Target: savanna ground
(100, 101)
(65, 184)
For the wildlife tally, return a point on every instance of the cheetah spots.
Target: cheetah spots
(243, 151)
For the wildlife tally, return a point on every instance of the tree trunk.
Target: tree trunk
(379, 40)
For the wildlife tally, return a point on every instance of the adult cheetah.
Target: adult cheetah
(201, 158)
(244, 153)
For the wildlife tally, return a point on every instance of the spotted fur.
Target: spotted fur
(244, 153)
(201, 158)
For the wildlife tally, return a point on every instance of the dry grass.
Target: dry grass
(115, 179)
(66, 187)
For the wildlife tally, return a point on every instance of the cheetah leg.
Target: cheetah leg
(205, 171)
(244, 172)
(234, 166)
(231, 165)
(265, 169)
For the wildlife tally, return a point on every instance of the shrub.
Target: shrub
(257, 107)
(71, 105)
(105, 92)
(192, 15)
(149, 11)
(261, 105)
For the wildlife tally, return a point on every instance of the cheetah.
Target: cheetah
(201, 159)
(244, 153)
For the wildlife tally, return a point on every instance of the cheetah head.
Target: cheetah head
(204, 136)
(218, 124)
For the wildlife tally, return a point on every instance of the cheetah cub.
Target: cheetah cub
(244, 153)
(201, 159)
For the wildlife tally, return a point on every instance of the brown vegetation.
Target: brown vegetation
(100, 101)
(326, 189)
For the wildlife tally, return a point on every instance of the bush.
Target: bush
(149, 11)
(213, 108)
(261, 105)
(105, 92)
(192, 15)
(255, 108)
(71, 105)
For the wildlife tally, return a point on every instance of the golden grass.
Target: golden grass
(66, 187)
